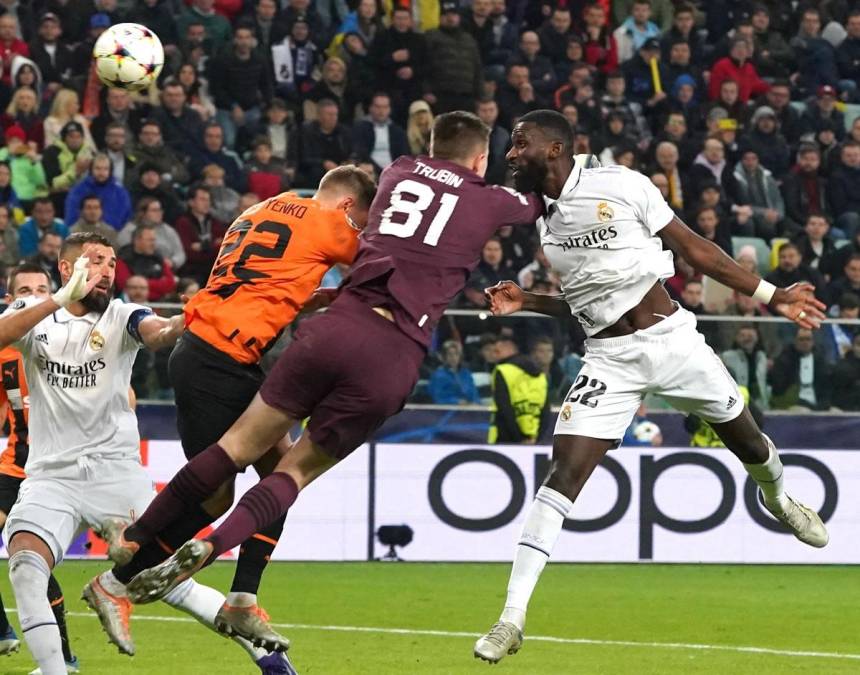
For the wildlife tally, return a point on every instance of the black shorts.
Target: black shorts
(9, 486)
(212, 391)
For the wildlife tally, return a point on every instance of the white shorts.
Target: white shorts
(670, 358)
(61, 503)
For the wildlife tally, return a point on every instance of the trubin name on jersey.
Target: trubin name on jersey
(71, 375)
(595, 238)
(440, 175)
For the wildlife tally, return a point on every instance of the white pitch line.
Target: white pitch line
(535, 638)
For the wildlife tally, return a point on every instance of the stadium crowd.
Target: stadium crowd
(744, 114)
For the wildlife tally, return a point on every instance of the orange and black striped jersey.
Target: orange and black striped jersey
(271, 261)
(14, 395)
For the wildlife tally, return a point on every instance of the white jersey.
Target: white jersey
(600, 236)
(79, 369)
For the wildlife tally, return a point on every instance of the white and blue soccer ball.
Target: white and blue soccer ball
(128, 56)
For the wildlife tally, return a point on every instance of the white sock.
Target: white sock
(769, 476)
(540, 532)
(203, 603)
(29, 573)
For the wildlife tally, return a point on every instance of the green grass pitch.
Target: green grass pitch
(786, 609)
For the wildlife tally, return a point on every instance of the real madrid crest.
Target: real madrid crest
(565, 413)
(604, 212)
(97, 341)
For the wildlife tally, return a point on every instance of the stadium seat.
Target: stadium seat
(761, 248)
(715, 296)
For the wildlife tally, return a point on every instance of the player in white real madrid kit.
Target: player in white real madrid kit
(610, 235)
(78, 348)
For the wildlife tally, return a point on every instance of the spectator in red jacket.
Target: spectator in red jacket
(736, 67)
(599, 45)
(10, 45)
(140, 259)
(201, 234)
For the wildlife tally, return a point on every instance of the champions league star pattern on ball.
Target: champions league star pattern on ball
(128, 56)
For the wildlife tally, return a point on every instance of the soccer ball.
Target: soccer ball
(128, 56)
(646, 432)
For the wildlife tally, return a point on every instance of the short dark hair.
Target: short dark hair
(823, 217)
(361, 185)
(261, 140)
(327, 103)
(42, 200)
(807, 148)
(78, 239)
(846, 301)
(684, 8)
(377, 94)
(788, 245)
(850, 143)
(458, 135)
(244, 24)
(690, 282)
(90, 197)
(114, 125)
(25, 268)
(541, 340)
(198, 187)
(552, 124)
(852, 258)
(140, 229)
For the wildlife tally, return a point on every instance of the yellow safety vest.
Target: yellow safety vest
(528, 394)
(705, 436)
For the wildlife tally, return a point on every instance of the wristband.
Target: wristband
(764, 292)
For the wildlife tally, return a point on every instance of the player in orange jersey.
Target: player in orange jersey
(270, 264)
(26, 280)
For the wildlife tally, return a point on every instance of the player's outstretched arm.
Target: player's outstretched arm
(507, 298)
(797, 302)
(156, 332)
(15, 325)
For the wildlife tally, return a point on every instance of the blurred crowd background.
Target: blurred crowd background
(746, 115)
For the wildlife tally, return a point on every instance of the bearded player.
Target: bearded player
(78, 347)
(351, 368)
(610, 235)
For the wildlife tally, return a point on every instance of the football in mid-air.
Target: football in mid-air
(128, 56)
